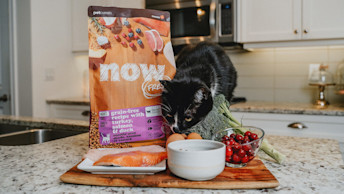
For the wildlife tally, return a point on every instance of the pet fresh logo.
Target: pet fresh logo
(151, 87)
(102, 13)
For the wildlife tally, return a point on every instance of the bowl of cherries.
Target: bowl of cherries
(242, 144)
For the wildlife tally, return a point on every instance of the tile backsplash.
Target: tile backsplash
(281, 74)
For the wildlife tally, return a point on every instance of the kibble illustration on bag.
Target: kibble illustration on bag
(129, 52)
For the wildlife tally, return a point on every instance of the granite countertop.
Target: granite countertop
(70, 101)
(312, 166)
(257, 107)
(48, 123)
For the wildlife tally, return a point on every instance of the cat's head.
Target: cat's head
(184, 104)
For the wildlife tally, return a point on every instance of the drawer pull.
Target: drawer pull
(85, 113)
(297, 125)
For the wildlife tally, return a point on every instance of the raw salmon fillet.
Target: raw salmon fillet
(132, 159)
(96, 154)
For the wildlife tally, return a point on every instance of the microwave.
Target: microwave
(194, 21)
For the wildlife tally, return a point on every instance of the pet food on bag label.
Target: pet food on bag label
(129, 52)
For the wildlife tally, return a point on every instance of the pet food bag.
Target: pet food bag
(129, 52)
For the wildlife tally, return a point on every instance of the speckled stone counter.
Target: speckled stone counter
(48, 123)
(312, 166)
(70, 101)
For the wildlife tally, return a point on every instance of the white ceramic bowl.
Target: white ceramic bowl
(196, 160)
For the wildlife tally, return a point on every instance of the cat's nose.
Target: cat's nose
(176, 129)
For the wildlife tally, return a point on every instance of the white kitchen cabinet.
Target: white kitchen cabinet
(80, 16)
(76, 112)
(318, 126)
(289, 20)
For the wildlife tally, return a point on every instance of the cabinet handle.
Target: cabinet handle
(305, 31)
(297, 125)
(295, 31)
(85, 113)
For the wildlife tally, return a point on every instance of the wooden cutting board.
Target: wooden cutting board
(254, 176)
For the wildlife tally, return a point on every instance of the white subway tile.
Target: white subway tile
(252, 94)
(301, 56)
(258, 69)
(291, 82)
(294, 95)
(256, 82)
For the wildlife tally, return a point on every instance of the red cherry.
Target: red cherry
(246, 147)
(228, 158)
(232, 135)
(246, 139)
(253, 136)
(236, 158)
(239, 137)
(225, 137)
(248, 133)
(244, 159)
(236, 147)
(231, 141)
(241, 153)
(250, 152)
(229, 151)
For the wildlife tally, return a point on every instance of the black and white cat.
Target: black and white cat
(203, 70)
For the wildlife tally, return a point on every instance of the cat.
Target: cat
(203, 71)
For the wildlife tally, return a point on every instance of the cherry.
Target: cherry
(246, 139)
(229, 151)
(244, 159)
(236, 158)
(241, 153)
(239, 137)
(228, 158)
(232, 135)
(253, 136)
(248, 133)
(246, 147)
(225, 137)
(250, 152)
(236, 147)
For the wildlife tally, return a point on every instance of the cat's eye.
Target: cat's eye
(188, 119)
(168, 115)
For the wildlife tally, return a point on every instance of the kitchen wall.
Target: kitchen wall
(273, 75)
(56, 71)
(281, 74)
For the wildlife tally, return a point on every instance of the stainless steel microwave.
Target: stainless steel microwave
(193, 21)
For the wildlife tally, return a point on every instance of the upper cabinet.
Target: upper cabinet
(80, 16)
(289, 20)
(322, 19)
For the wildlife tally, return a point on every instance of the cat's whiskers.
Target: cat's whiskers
(167, 108)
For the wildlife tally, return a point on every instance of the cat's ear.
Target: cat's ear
(201, 95)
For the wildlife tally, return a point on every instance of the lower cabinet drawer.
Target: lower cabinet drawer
(317, 126)
(77, 112)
